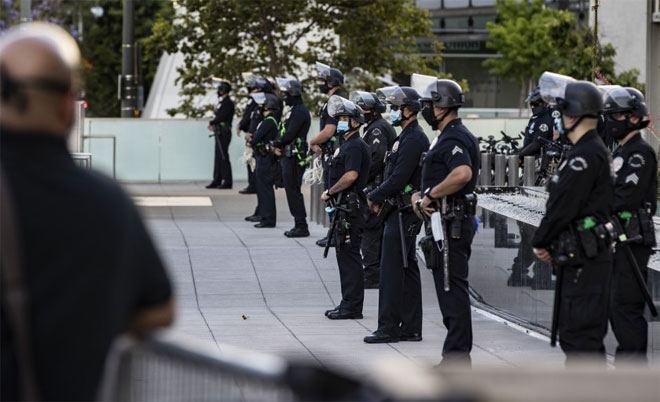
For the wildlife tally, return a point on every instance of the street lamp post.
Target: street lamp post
(128, 79)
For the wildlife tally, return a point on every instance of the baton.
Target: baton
(404, 252)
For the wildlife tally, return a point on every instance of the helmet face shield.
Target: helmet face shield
(616, 99)
(259, 98)
(552, 87)
(338, 106)
(323, 71)
(421, 84)
(392, 95)
(365, 100)
(289, 85)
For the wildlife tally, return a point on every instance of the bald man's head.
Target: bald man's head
(37, 85)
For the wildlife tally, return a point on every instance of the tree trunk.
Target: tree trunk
(523, 95)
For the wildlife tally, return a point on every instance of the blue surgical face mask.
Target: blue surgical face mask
(395, 115)
(342, 127)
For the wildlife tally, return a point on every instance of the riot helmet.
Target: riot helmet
(338, 106)
(266, 101)
(328, 77)
(291, 89)
(398, 98)
(443, 93)
(369, 103)
(619, 105)
(224, 88)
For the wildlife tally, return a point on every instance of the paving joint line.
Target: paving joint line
(261, 290)
(194, 281)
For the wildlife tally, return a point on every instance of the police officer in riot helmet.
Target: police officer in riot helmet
(539, 127)
(635, 186)
(330, 81)
(400, 298)
(267, 131)
(379, 135)
(221, 127)
(540, 141)
(348, 171)
(292, 147)
(579, 205)
(449, 174)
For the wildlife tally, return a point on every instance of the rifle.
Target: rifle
(334, 207)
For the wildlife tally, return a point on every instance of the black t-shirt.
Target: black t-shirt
(88, 264)
(353, 154)
(454, 147)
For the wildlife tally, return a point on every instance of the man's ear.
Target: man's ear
(66, 111)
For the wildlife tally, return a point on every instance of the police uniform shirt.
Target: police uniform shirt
(255, 119)
(379, 136)
(454, 147)
(402, 163)
(582, 187)
(266, 132)
(224, 113)
(635, 169)
(246, 120)
(353, 154)
(539, 125)
(88, 264)
(296, 125)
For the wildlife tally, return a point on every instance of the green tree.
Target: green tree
(524, 37)
(532, 38)
(226, 38)
(100, 41)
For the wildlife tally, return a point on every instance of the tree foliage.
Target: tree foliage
(100, 42)
(532, 38)
(226, 38)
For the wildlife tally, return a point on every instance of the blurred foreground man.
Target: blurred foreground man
(449, 176)
(635, 186)
(77, 254)
(578, 206)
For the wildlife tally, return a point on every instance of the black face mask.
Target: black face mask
(618, 129)
(429, 117)
(324, 88)
(290, 100)
(537, 109)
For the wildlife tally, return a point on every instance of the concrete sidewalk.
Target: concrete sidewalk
(257, 289)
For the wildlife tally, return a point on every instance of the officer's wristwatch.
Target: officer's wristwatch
(427, 194)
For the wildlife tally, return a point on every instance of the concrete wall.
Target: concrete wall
(173, 149)
(623, 24)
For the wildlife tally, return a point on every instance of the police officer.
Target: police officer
(537, 135)
(267, 131)
(221, 127)
(348, 171)
(580, 198)
(449, 176)
(379, 135)
(293, 145)
(330, 81)
(400, 293)
(262, 85)
(635, 187)
(247, 125)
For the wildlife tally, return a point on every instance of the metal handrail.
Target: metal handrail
(114, 148)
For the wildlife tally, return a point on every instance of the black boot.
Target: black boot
(297, 231)
(253, 218)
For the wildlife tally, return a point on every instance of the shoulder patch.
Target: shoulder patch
(632, 178)
(617, 163)
(456, 150)
(375, 132)
(636, 160)
(555, 113)
(578, 164)
(375, 141)
(543, 127)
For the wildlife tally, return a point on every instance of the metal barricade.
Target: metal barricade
(171, 367)
(114, 148)
(500, 170)
(529, 171)
(486, 177)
